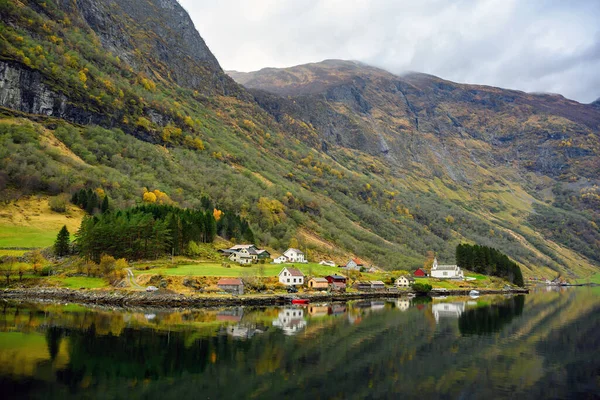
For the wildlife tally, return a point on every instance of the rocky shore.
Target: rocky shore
(171, 300)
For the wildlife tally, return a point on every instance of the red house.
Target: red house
(420, 272)
(336, 278)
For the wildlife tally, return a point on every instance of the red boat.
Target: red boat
(300, 301)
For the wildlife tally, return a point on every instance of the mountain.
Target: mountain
(342, 158)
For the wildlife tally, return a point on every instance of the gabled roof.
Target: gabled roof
(262, 251)
(242, 246)
(320, 280)
(337, 276)
(446, 267)
(295, 250)
(358, 261)
(241, 255)
(377, 283)
(292, 271)
(230, 281)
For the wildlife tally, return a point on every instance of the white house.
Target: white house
(294, 255)
(242, 257)
(447, 310)
(355, 263)
(280, 260)
(446, 271)
(291, 277)
(404, 281)
(290, 320)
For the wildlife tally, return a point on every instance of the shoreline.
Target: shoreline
(172, 300)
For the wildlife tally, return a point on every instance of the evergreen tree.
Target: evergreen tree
(105, 205)
(92, 203)
(63, 241)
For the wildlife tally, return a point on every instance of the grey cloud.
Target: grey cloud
(534, 45)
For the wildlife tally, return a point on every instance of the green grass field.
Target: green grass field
(24, 236)
(591, 279)
(215, 269)
(76, 282)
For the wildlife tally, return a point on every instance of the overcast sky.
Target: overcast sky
(533, 45)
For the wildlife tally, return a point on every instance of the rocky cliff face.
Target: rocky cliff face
(24, 90)
(156, 35)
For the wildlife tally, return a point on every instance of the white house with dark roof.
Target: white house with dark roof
(446, 271)
(243, 257)
(294, 255)
(291, 277)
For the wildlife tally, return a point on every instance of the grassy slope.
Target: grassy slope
(31, 223)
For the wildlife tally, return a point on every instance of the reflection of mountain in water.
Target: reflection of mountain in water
(447, 310)
(485, 320)
(290, 320)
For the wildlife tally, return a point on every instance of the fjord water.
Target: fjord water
(543, 345)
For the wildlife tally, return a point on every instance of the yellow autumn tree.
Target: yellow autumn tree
(271, 210)
(149, 197)
(217, 214)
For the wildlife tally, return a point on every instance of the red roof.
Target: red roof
(358, 261)
(420, 272)
(230, 282)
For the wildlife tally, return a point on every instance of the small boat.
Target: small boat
(300, 301)
(474, 293)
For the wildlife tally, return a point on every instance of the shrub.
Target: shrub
(59, 203)
(46, 271)
(422, 287)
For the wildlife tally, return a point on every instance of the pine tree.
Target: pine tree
(63, 241)
(92, 203)
(104, 207)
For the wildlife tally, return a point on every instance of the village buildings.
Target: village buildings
(291, 277)
(404, 281)
(446, 271)
(231, 285)
(318, 283)
(355, 264)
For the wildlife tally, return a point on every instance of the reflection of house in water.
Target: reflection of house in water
(338, 309)
(233, 314)
(377, 305)
(318, 311)
(447, 310)
(402, 304)
(244, 331)
(290, 320)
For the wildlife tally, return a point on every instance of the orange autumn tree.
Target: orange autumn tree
(217, 214)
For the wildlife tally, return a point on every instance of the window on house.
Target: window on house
(288, 280)
(445, 273)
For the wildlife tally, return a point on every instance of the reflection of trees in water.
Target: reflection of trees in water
(490, 319)
(53, 337)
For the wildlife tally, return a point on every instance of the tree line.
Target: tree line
(152, 230)
(489, 261)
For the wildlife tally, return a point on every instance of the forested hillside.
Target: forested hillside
(125, 97)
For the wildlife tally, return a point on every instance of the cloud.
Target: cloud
(534, 45)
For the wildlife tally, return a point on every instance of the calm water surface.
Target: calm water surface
(544, 345)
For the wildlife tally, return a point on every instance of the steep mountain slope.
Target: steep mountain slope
(504, 153)
(124, 95)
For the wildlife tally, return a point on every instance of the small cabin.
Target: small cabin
(377, 286)
(420, 272)
(362, 286)
(336, 278)
(231, 285)
(318, 283)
